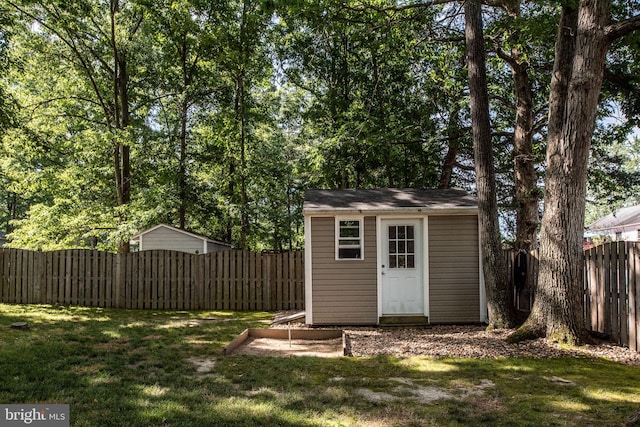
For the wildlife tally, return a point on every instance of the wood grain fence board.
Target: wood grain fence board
(173, 282)
(610, 291)
(9, 269)
(198, 273)
(596, 301)
(206, 281)
(148, 280)
(81, 277)
(65, 272)
(591, 289)
(2, 287)
(616, 313)
(193, 287)
(15, 271)
(131, 270)
(216, 287)
(160, 281)
(11, 291)
(243, 284)
(11, 276)
(107, 265)
(22, 275)
(603, 255)
(250, 281)
(143, 280)
(278, 282)
(288, 273)
(623, 298)
(259, 281)
(232, 280)
(300, 272)
(57, 291)
(202, 281)
(226, 296)
(256, 286)
(179, 260)
(235, 283)
(634, 301)
(268, 283)
(164, 294)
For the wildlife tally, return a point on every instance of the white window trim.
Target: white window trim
(360, 220)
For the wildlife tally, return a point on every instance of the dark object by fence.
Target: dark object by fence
(520, 270)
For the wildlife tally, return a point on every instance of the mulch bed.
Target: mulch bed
(472, 341)
(467, 341)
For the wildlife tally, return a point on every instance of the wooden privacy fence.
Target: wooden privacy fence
(611, 302)
(227, 280)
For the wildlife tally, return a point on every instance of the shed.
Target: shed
(164, 236)
(388, 255)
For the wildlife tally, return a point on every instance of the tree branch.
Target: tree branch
(622, 28)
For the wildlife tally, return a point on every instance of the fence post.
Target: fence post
(634, 301)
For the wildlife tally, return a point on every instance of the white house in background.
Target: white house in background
(166, 237)
(621, 225)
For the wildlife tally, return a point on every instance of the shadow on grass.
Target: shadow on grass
(135, 368)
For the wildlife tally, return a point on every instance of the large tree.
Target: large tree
(585, 33)
(97, 41)
(501, 312)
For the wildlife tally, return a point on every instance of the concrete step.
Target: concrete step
(404, 321)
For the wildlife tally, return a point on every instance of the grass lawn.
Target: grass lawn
(140, 368)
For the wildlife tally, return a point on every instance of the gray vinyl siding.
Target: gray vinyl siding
(216, 247)
(454, 273)
(164, 238)
(344, 292)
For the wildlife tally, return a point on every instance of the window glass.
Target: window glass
(401, 246)
(349, 239)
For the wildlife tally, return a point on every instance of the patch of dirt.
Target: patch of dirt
(202, 364)
(411, 390)
(282, 347)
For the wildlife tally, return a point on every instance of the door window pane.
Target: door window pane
(401, 246)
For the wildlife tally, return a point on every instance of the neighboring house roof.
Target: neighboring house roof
(3, 237)
(388, 199)
(188, 233)
(624, 219)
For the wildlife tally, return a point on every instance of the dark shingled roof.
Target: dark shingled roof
(388, 199)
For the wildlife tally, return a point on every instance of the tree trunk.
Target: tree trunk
(182, 168)
(121, 122)
(453, 135)
(525, 176)
(499, 304)
(579, 63)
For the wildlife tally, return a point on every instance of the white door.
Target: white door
(401, 268)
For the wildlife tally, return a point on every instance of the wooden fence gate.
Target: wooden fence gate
(227, 280)
(611, 299)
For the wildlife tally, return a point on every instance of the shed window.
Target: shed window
(349, 239)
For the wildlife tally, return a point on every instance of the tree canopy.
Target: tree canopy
(216, 116)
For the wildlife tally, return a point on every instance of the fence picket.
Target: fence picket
(634, 299)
